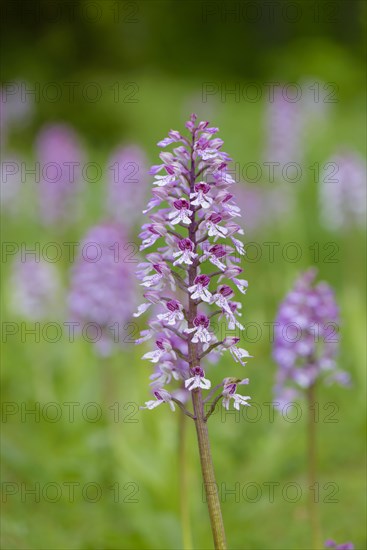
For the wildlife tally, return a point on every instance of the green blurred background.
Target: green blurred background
(163, 55)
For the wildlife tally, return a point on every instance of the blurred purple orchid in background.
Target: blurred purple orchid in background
(61, 159)
(35, 288)
(306, 338)
(284, 129)
(127, 184)
(342, 193)
(102, 290)
(345, 546)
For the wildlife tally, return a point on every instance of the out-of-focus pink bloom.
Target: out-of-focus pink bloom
(127, 184)
(35, 288)
(16, 107)
(306, 337)
(343, 191)
(284, 129)
(61, 162)
(102, 290)
(10, 194)
(263, 206)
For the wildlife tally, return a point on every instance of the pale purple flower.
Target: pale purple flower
(173, 314)
(186, 253)
(127, 184)
(344, 546)
(198, 380)
(284, 129)
(214, 229)
(200, 330)
(161, 396)
(164, 347)
(61, 161)
(229, 392)
(182, 212)
(201, 195)
(166, 372)
(238, 354)
(35, 288)
(16, 108)
(343, 191)
(103, 286)
(199, 290)
(11, 184)
(194, 182)
(306, 337)
(264, 206)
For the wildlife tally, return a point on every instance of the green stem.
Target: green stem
(312, 469)
(207, 470)
(184, 485)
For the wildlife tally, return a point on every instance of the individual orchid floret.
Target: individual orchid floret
(216, 253)
(182, 212)
(220, 298)
(186, 253)
(201, 195)
(231, 313)
(212, 224)
(200, 329)
(199, 290)
(161, 276)
(161, 396)
(231, 273)
(173, 314)
(197, 380)
(151, 233)
(237, 353)
(166, 372)
(164, 347)
(229, 392)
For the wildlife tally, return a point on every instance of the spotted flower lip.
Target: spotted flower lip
(229, 392)
(200, 330)
(199, 289)
(182, 213)
(185, 254)
(161, 396)
(201, 320)
(191, 225)
(218, 251)
(174, 313)
(199, 196)
(225, 291)
(198, 380)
